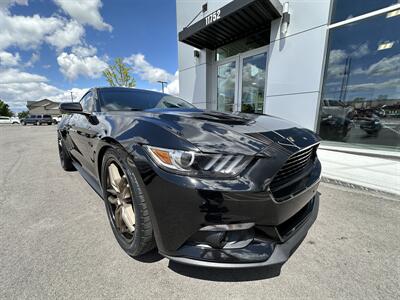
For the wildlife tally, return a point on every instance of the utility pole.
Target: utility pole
(162, 84)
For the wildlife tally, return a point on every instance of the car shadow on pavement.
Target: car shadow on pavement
(224, 275)
(150, 257)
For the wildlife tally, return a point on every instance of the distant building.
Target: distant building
(43, 107)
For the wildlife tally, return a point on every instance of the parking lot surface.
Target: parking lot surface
(55, 242)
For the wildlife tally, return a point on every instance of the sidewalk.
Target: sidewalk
(372, 172)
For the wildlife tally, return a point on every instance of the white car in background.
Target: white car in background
(9, 120)
(56, 119)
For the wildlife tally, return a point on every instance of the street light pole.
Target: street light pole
(72, 97)
(162, 84)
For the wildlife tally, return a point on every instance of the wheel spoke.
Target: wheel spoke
(115, 177)
(112, 199)
(128, 216)
(112, 192)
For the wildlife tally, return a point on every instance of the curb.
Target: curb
(357, 187)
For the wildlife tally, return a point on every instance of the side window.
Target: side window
(87, 102)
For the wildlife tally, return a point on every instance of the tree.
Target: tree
(5, 110)
(23, 114)
(118, 74)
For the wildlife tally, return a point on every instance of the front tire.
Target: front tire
(125, 204)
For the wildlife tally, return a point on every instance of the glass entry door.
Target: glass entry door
(252, 83)
(241, 82)
(226, 86)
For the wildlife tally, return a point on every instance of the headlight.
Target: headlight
(198, 164)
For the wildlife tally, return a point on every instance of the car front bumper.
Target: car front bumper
(181, 207)
(277, 257)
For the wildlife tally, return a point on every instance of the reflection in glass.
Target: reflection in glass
(253, 83)
(346, 9)
(226, 87)
(361, 91)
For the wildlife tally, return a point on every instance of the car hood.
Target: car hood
(241, 133)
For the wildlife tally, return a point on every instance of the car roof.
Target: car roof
(127, 88)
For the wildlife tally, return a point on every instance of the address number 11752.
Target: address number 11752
(213, 17)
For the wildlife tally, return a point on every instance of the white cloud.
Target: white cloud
(17, 87)
(85, 12)
(73, 66)
(336, 56)
(375, 86)
(360, 51)
(69, 34)
(9, 59)
(34, 58)
(26, 32)
(65, 96)
(173, 87)
(387, 66)
(10, 76)
(84, 51)
(146, 71)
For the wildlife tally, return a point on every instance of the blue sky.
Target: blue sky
(51, 47)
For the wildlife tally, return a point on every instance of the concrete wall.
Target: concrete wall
(294, 61)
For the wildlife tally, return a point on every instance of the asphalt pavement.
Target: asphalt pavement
(55, 242)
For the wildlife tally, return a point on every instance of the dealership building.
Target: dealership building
(329, 65)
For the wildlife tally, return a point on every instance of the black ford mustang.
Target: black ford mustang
(207, 188)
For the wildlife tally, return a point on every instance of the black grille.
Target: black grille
(293, 167)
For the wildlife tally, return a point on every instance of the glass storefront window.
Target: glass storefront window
(361, 90)
(347, 9)
(250, 42)
(253, 83)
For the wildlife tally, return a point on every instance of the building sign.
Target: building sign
(216, 15)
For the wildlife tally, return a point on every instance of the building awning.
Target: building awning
(231, 22)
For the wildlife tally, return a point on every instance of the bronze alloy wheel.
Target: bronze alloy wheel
(125, 203)
(119, 199)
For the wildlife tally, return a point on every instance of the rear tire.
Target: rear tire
(65, 158)
(141, 240)
(23, 123)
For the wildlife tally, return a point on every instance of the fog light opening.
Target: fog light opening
(230, 238)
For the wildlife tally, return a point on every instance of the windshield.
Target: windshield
(131, 100)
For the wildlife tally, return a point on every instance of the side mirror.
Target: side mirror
(70, 108)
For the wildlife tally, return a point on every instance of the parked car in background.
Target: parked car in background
(9, 120)
(37, 120)
(56, 119)
(207, 188)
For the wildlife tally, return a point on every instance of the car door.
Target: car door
(82, 132)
